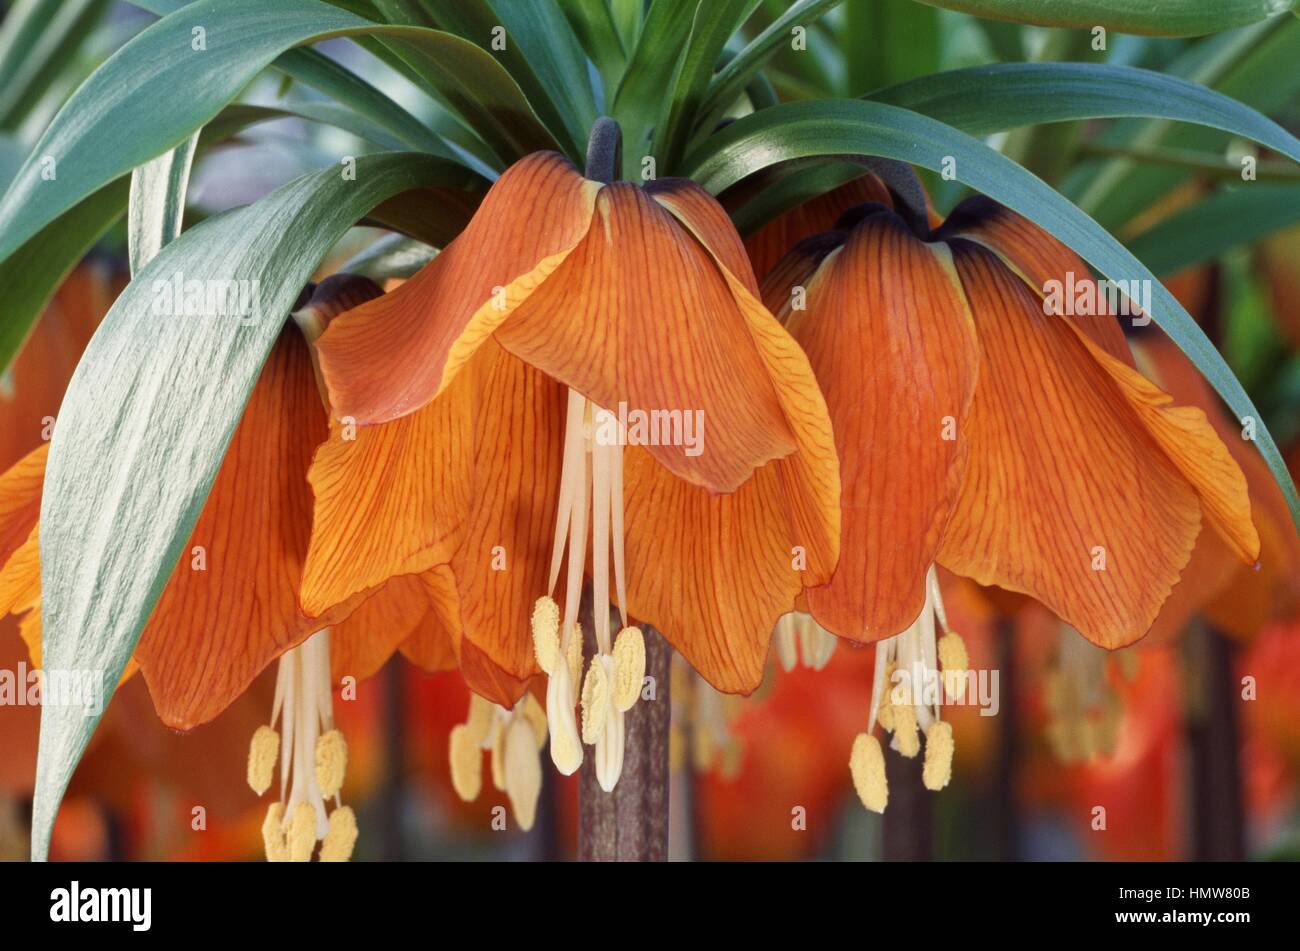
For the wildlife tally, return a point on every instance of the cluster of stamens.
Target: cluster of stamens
(800, 639)
(907, 708)
(702, 725)
(515, 738)
(1084, 708)
(313, 759)
(591, 492)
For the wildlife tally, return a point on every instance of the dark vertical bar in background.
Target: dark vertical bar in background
(1214, 747)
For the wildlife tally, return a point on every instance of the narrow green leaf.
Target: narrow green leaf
(32, 274)
(1166, 18)
(539, 50)
(593, 23)
(732, 79)
(393, 255)
(855, 127)
(984, 99)
(888, 41)
(713, 26)
(156, 206)
(335, 80)
(37, 39)
(128, 111)
(1214, 225)
(650, 70)
(132, 462)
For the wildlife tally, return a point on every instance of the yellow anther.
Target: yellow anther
(523, 772)
(906, 734)
(331, 763)
(937, 769)
(302, 833)
(574, 655)
(466, 759)
(629, 667)
(273, 834)
(867, 764)
(546, 633)
(536, 718)
(885, 715)
(479, 721)
(952, 653)
(341, 837)
(262, 753)
(595, 701)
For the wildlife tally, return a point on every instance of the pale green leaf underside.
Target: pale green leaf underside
(147, 419)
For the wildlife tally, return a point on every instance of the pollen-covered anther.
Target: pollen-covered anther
(301, 836)
(466, 759)
(331, 763)
(937, 769)
(546, 633)
(341, 837)
(867, 764)
(885, 716)
(277, 850)
(907, 736)
(629, 667)
(573, 653)
(952, 653)
(262, 754)
(595, 702)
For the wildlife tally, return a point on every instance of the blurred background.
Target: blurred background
(1188, 743)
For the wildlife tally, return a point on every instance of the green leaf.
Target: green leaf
(650, 70)
(984, 99)
(156, 208)
(541, 53)
(842, 128)
(393, 255)
(31, 275)
(128, 111)
(1225, 220)
(37, 39)
(888, 41)
(131, 462)
(732, 79)
(596, 30)
(714, 23)
(335, 80)
(1166, 18)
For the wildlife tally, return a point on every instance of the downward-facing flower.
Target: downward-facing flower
(979, 430)
(585, 366)
(231, 605)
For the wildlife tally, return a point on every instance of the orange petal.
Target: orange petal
(1061, 473)
(377, 490)
(1191, 443)
(891, 341)
(714, 572)
(20, 501)
(214, 630)
(394, 354)
(32, 391)
(362, 642)
(773, 241)
(1038, 258)
(708, 221)
(435, 642)
(640, 314)
(502, 561)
